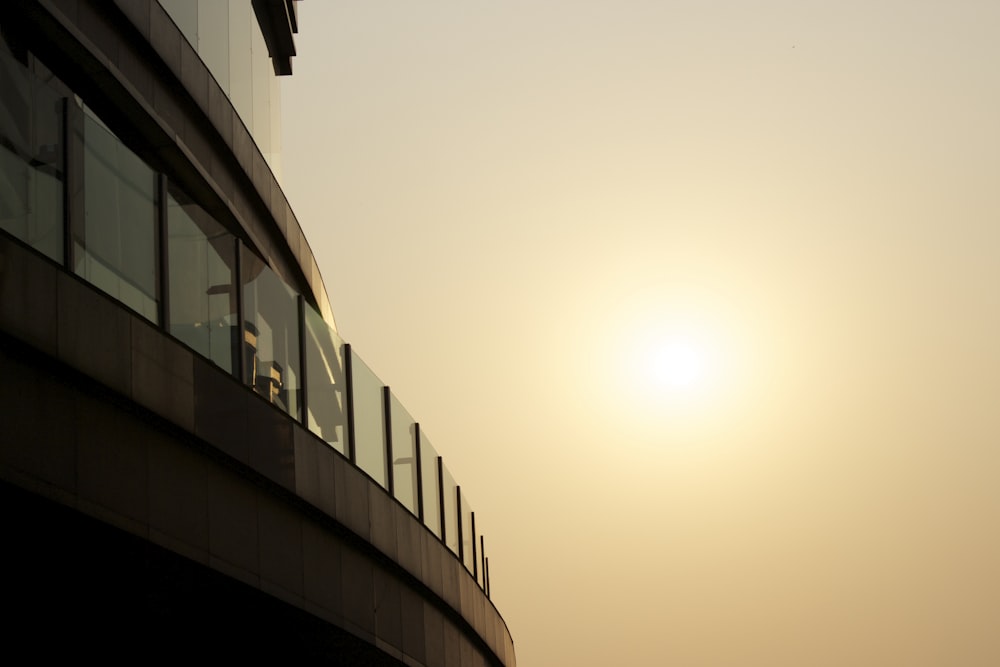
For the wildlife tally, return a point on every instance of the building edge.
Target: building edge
(132, 65)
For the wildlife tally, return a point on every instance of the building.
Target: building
(192, 462)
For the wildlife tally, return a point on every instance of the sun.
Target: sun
(677, 366)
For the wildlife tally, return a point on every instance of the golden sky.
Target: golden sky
(699, 301)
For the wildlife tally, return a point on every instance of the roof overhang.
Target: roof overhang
(279, 22)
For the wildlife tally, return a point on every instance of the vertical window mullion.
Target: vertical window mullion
(461, 528)
(239, 345)
(418, 461)
(444, 521)
(387, 440)
(303, 378)
(349, 401)
(67, 257)
(472, 540)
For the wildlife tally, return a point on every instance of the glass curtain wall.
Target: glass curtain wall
(115, 247)
(227, 37)
(242, 23)
(202, 281)
(213, 37)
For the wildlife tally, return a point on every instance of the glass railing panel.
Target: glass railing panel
(450, 489)
(430, 485)
(481, 561)
(368, 421)
(32, 174)
(115, 247)
(202, 294)
(404, 455)
(468, 535)
(325, 382)
(270, 335)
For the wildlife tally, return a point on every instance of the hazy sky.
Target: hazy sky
(699, 300)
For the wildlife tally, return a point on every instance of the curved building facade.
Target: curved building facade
(192, 462)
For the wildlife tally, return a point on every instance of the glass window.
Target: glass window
(115, 248)
(325, 382)
(271, 334)
(404, 455)
(431, 485)
(368, 422)
(202, 275)
(450, 509)
(31, 158)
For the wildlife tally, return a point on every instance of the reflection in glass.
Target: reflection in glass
(31, 162)
(431, 485)
(450, 489)
(271, 334)
(368, 421)
(202, 271)
(404, 455)
(116, 248)
(325, 381)
(468, 535)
